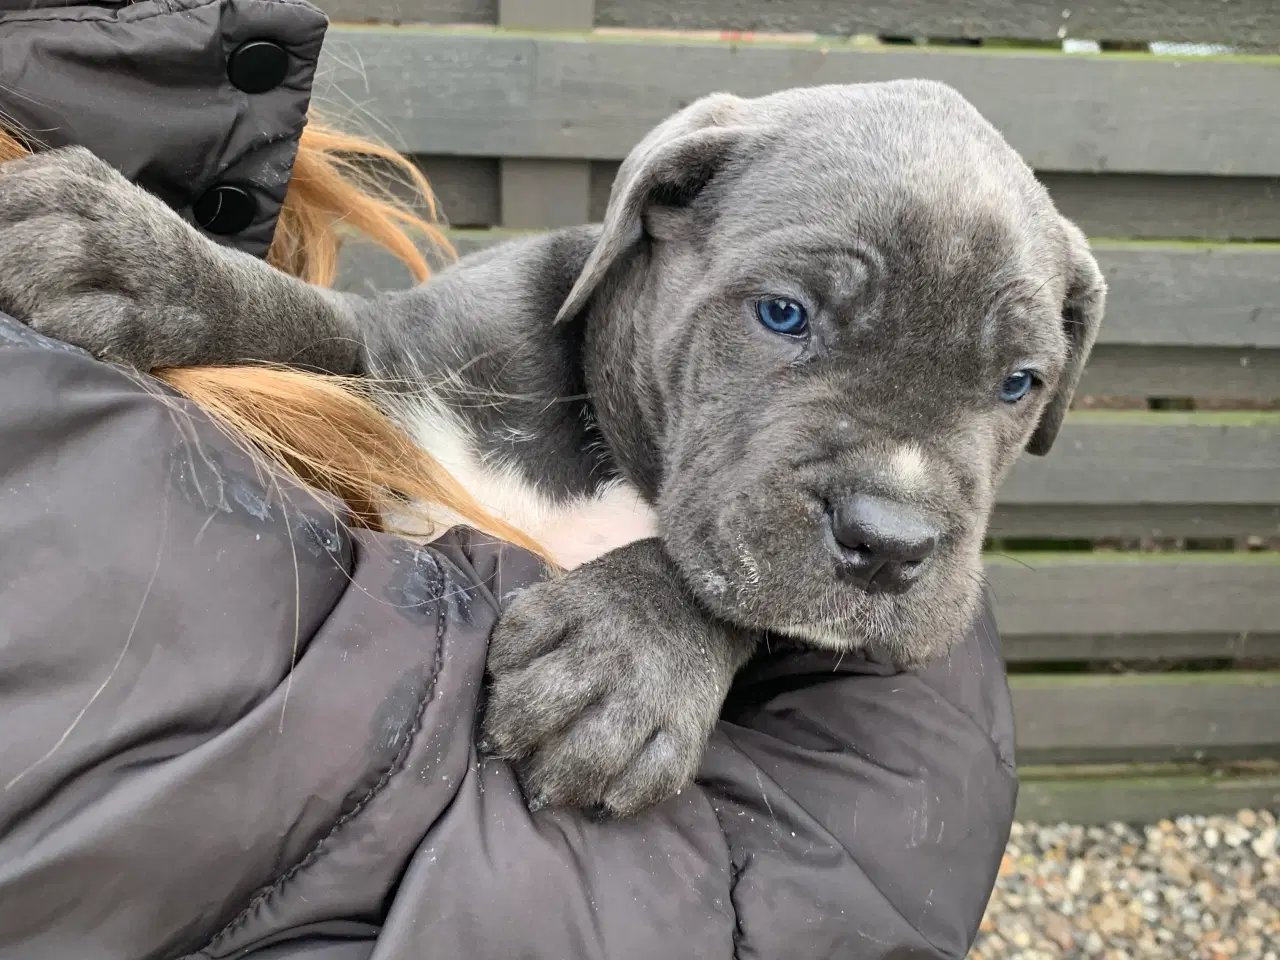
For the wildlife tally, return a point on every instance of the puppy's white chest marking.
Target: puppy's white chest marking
(588, 528)
(573, 532)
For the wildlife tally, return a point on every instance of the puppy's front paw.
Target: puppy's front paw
(605, 684)
(89, 258)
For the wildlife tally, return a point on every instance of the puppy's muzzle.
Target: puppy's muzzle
(879, 545)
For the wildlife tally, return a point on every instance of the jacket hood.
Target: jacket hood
(200, 102)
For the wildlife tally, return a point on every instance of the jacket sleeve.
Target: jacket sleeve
(843, 810)
(235, 729)
(866, 810)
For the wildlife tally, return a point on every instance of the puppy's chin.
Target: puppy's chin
(779, 576)
(909, 636)
(909, 631)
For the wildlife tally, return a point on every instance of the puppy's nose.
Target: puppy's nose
(879, 544)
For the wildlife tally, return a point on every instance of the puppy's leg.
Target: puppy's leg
(606, 683)
(89, 258)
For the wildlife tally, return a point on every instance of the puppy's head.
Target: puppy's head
(854, 308)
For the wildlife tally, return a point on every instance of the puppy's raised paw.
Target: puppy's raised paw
(605, 684)
(91, 259)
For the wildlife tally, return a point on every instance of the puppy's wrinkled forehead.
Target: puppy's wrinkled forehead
(908, 168)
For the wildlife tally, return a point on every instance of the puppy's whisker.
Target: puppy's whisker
(1018, 560)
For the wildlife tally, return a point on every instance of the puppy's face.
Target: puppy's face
(853, 328)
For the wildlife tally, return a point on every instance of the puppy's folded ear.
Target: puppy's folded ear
(1081, 317)
(669, 166)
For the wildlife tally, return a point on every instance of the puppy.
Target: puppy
(811, 336)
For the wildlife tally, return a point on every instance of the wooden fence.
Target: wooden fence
(1141, 617)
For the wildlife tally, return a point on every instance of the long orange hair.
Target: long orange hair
(324, 431)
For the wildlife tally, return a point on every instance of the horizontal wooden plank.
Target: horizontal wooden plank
(1159, 207)
(484, 92)
(1095, 594)
(1160, 294)
(1242, 22)
(1212, 295)
(410, 11)
(1255, 22)
(1133, 521)
(1134, 459)
(1104, 205)
(1146, 717)
(1120, 370)
(1137, 795)
(1137, 648)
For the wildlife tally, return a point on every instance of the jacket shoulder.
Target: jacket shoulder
(247, 706)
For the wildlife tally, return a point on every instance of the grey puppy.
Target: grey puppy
(812, 334)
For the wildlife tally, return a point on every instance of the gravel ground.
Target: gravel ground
(1198, 888)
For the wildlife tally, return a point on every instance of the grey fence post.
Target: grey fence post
(543, 193)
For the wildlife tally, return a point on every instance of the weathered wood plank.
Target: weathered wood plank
(1180, 295)
(541, 191)
(1132, 521)
(1095, 594)
(1159, 207)
(410, 11)
(1222, 295)
(1122, 205)
(489, 93)
(1120, 370)
(1256, 22)
(1125, 794)
(1150, 458)
(1146, 717)
(1019, 649)
(1133, 206)
(1244, 22)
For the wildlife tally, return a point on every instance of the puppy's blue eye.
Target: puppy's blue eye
(1017, 385)
(782, 315)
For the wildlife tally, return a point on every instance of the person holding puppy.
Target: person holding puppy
(239, 727)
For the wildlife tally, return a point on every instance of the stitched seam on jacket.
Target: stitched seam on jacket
(395, 767)
(986, 623)
(735, 874)
(841, 844)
